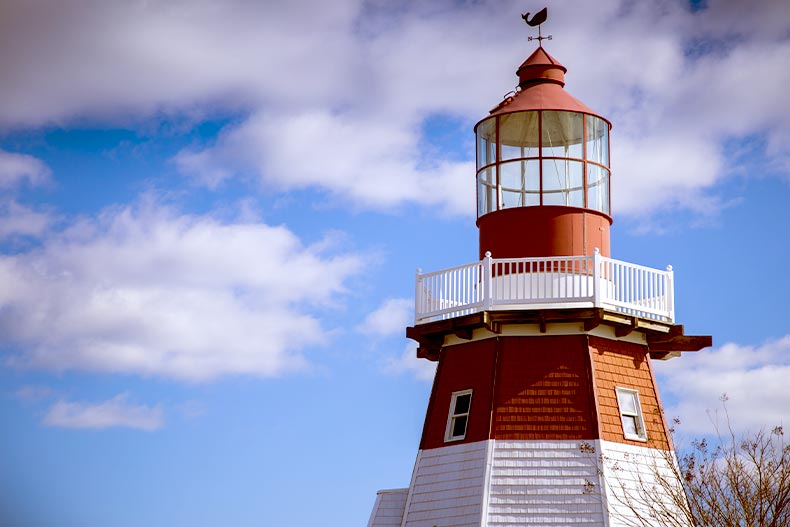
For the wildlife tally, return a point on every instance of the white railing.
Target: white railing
(545, 283)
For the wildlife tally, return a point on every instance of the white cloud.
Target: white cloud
(369, 163)
(407, 363)
(113, 413)
(340, 106)
(79, 58)
(16, 169)
(19, 220)
(390, 318)
(754, 378)
(677, 173)
(671, 110)
(147, 291)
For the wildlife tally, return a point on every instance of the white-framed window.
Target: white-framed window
(631, 414)
(460, 403)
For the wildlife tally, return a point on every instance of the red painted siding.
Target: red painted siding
(541, 388)
(461, 367)
(544, 389)
(543, 231)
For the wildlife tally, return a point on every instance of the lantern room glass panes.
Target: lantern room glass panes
(520, 183)
(486, 142)
(486, 191)
(563, 182)
(562, 134)
(598, 188)
(534, 158)
(518, 135)
(597, 140)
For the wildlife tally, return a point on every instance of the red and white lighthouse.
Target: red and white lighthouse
(544, 346)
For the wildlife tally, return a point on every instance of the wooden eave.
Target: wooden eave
(664, 340)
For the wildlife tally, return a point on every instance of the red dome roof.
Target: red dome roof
(541, 82)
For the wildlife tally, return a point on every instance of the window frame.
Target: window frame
(638, 416)
(493, 154)
(452, 416)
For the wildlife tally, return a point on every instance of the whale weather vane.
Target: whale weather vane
(536, 20)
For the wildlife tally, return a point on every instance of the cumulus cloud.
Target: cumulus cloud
(117, 59)
(16, 172)
(16, 169)
(754, 378)
(340, 106)
(407, 363)
(19, 220)
(147, 291)
(113, 413)
(390, 318)
(673, 105)
(364, 161)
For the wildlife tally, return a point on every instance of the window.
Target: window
(631, 414)
(459, 415)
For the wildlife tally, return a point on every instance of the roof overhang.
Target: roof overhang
(664, 340)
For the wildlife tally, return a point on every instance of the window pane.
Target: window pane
(629, 425)
(518, 135)
(576, 198)
(562, 134)
(486, 191)
(597, 140)
(511, 199)
(459, 426)
(598, 188)
(462, 404)
(520, 183)
(627, 402)
(563, 182)
(486, 142)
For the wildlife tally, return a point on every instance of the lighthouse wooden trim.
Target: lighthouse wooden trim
(544, 409)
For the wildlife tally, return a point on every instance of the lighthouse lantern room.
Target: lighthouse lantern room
(543, 162)
(544, 409)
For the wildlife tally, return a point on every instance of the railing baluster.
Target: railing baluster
(491, 284)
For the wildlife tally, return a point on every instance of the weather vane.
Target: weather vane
(537, 19)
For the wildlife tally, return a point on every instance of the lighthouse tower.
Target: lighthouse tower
(544, 409)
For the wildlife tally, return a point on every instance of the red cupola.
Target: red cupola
(543, 170)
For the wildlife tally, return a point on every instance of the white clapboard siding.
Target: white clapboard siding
(447, 487)
(544, 483)
(388, 509)
(525, 484)
(632, 475)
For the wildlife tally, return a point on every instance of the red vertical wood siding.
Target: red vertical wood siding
(461, 367)
(543, 231)
(544, 389)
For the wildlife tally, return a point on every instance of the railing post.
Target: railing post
(597, 277)
(418, 296)
(487, 289)
(671, 293)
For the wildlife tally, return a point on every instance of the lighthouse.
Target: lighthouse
(544, 409)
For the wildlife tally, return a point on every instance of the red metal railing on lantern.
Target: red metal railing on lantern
(545, 283)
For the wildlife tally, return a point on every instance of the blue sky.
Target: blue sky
(211, 214)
